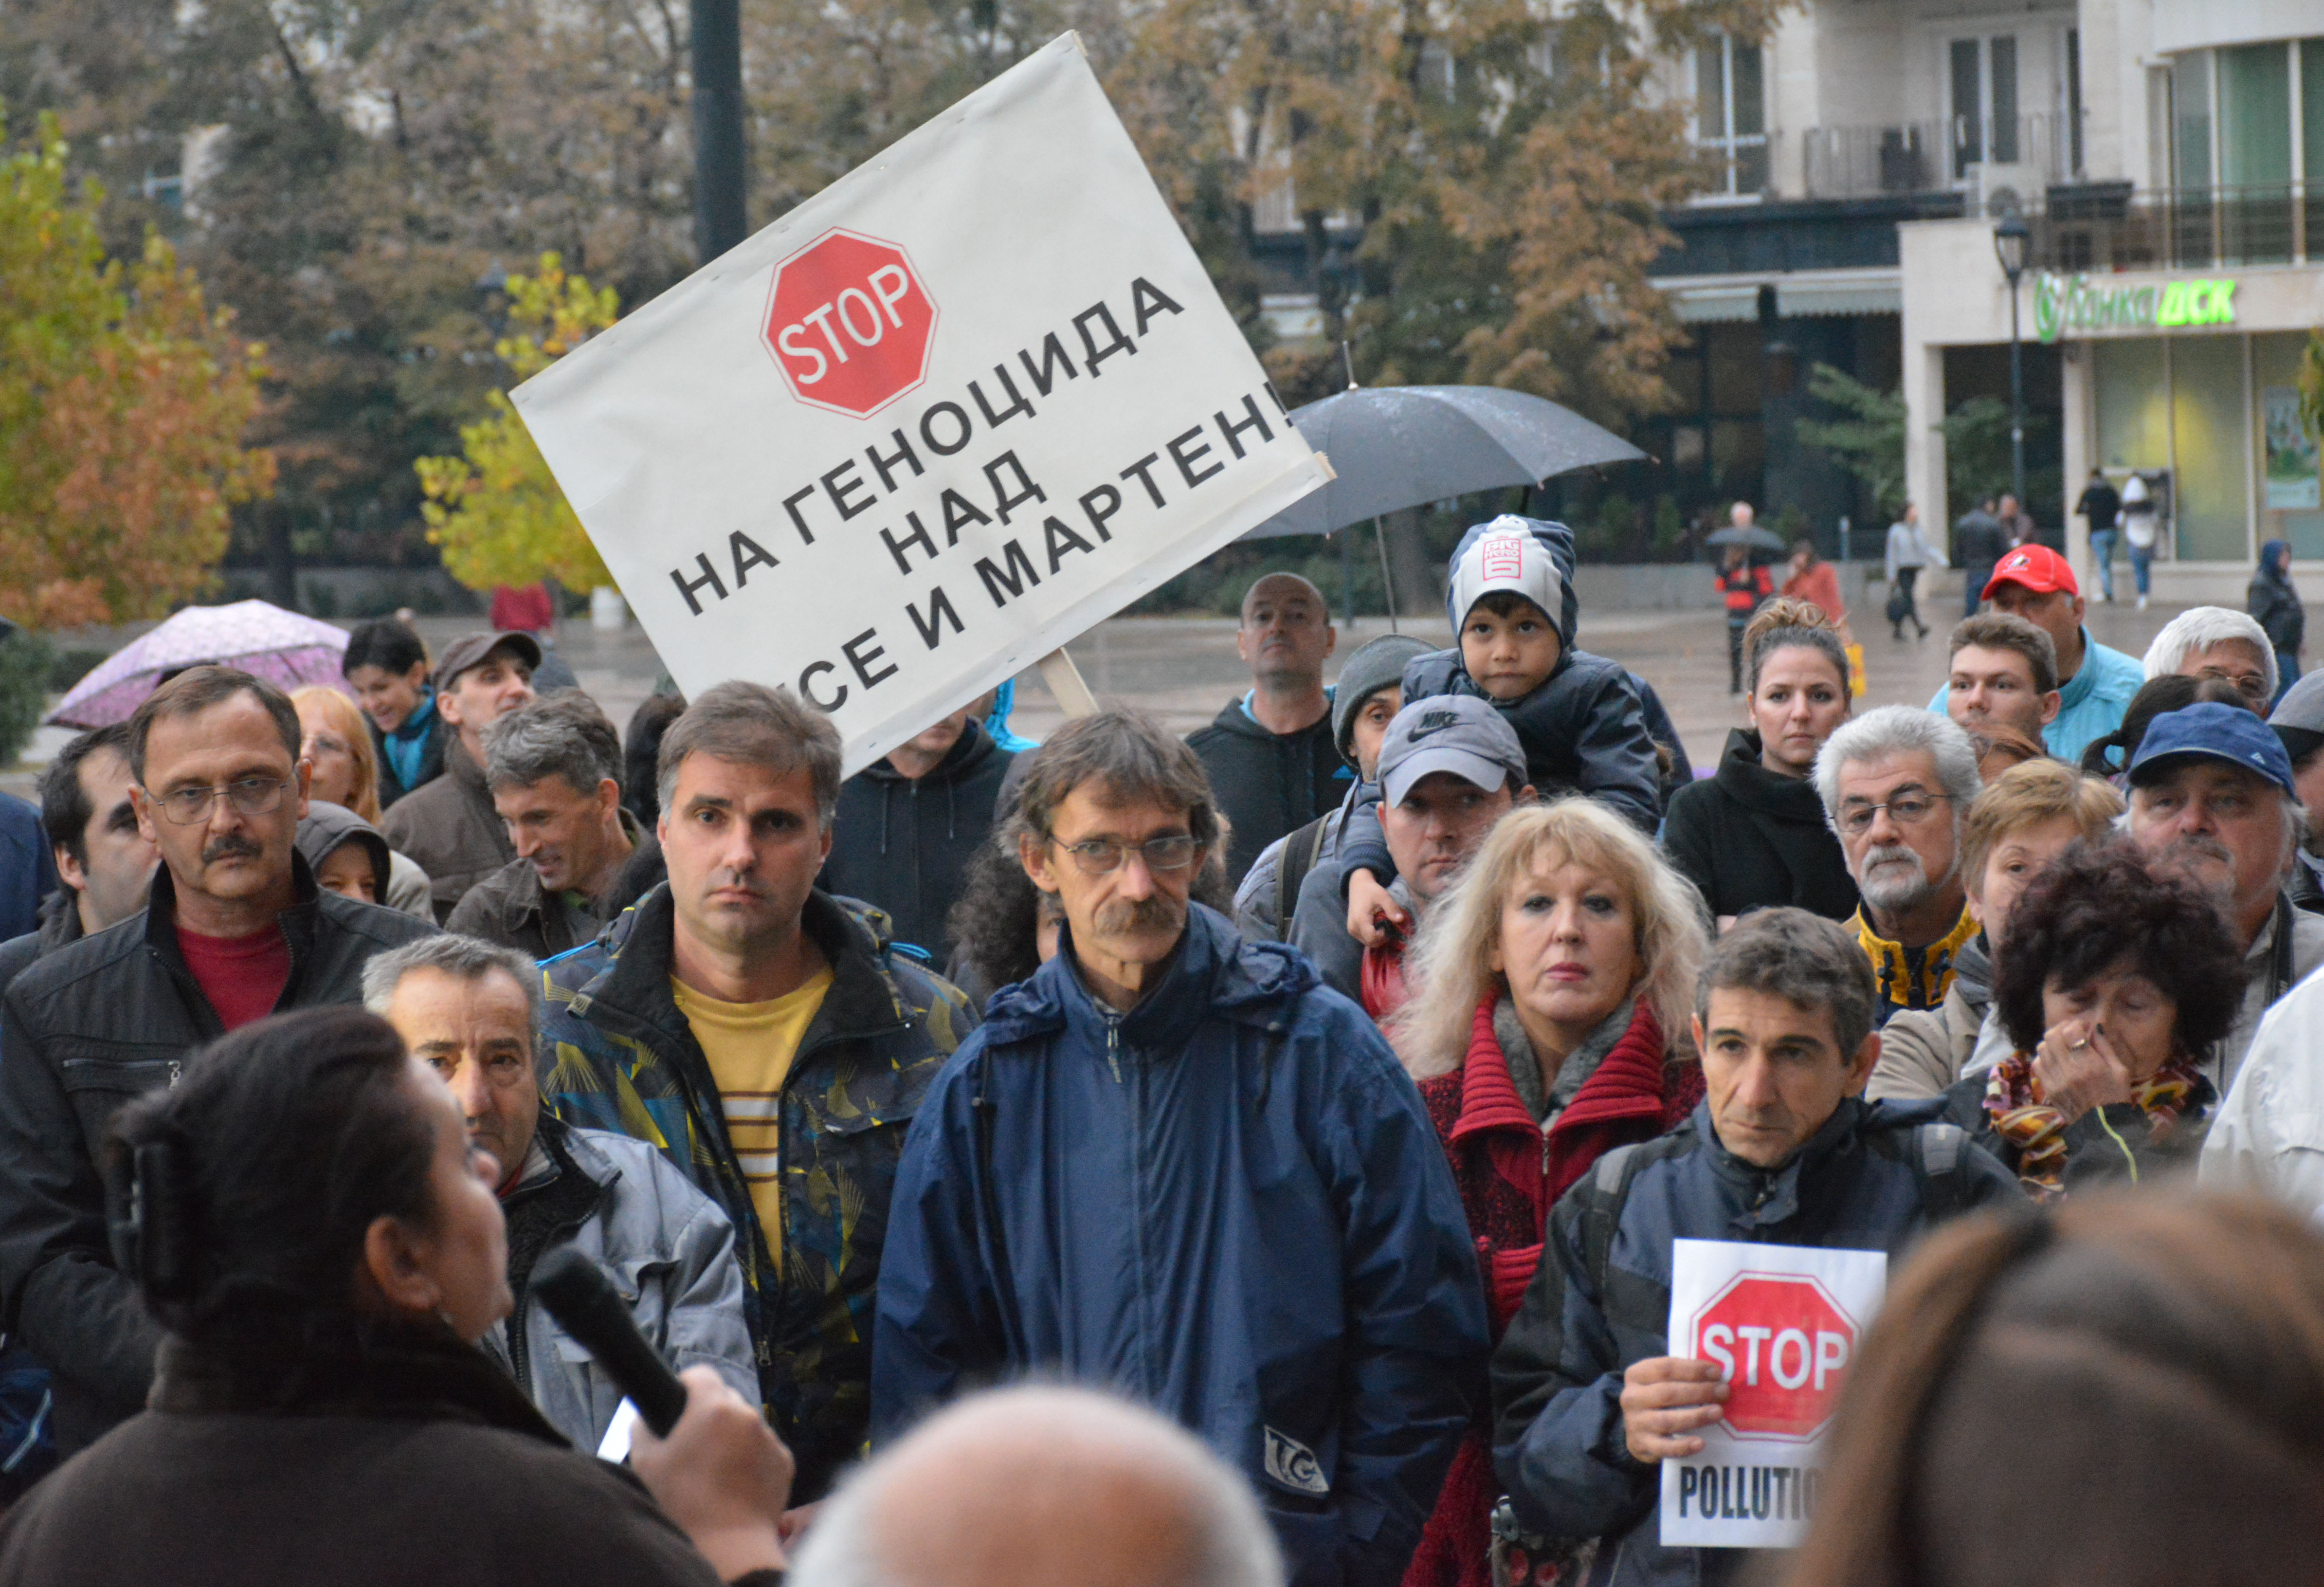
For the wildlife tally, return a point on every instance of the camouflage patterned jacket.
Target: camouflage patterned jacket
(616, 1054)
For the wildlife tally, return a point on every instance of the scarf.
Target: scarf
(2023, 1118)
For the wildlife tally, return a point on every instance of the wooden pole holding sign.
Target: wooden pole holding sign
(1065, 680)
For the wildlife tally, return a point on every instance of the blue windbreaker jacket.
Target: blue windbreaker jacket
(1228, 1204)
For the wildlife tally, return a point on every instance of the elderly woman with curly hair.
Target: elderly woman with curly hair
(2117, 980)
(1556, 978)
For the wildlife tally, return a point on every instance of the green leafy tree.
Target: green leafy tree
(1868, 441)
(495, 511)
(124, 400)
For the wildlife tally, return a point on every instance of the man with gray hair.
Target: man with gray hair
(1896, 784)
(1783, 1148)
(553, 766)
(1041, 1486)
(468, 1009)
(2214, 642)
(768, 1041)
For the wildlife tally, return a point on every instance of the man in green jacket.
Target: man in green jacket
(764, 1036)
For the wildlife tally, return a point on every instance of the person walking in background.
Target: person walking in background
(450, 827)
(1271, 754)
(1744, 586)
(1754, 834)
(343, 763)
(386, 665)
(234, 929)
(553, 766)
(1175, 1161)
(1811, 578)
(1979, 543)
(1557, 978)
(1908, 551)
(2138, 531)
(768, 1041)
(2101, 504)
(2017, 525)
(2274, 605)
(908, 822)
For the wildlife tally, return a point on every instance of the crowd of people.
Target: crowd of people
(1250, 1159)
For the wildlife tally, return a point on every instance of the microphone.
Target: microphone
(585, 1306)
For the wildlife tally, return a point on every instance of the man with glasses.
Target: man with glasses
(1896, 784)
(234, 929)
(1175, 1163)
(764, 1036)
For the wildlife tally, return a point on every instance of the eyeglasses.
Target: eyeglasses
(248, 796)
(1906, 810)
(2250, 685)
(1098, 856)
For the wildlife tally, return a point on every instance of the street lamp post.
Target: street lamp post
(2010, 241)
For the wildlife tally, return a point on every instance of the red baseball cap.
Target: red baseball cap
(2037, 567)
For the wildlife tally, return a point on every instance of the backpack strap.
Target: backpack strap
(1301, 851)
(1602, 1215)
(1937, 1147)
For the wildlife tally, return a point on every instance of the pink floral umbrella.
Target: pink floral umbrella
(284, 648)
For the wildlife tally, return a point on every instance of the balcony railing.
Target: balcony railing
(1929, 156)
(2104, 227)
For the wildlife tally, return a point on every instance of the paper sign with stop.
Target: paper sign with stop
(1783, 1324)
(970, 401)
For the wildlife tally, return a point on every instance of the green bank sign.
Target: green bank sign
(2071, 306)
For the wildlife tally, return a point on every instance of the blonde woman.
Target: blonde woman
(1556, 978)
(335, 741)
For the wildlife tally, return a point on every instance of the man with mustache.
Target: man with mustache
(2212, 792)
(1896, 784)
(764, 1036)
(234, 929)
(1173, 1162)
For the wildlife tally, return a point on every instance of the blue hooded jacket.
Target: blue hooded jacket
(1228, 1204)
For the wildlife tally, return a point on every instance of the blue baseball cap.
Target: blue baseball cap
(2222, 732)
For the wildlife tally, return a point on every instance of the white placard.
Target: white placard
(615, 1444)
(1783, 1323)
(952, 412)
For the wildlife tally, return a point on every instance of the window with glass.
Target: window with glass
(1730, 114)
(2246, 153)
(1983, 92)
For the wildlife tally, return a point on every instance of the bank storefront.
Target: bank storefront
(2187, 376)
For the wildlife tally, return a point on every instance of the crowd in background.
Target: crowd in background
(1309, 1108)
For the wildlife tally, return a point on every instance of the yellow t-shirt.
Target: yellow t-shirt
(750, 1046)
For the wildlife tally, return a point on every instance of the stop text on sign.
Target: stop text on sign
(1783, 1346)
(850, 323)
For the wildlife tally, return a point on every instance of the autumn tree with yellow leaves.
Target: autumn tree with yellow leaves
(124, 400)
(495, 511)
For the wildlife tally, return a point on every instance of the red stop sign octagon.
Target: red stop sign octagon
(1783, 1347)
(849, 321)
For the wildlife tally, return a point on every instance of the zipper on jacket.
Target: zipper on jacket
(1113, 1046)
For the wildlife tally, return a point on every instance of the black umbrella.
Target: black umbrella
(1755, 538)
(1398, 447)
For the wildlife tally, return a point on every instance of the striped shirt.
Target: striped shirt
(750, 1047)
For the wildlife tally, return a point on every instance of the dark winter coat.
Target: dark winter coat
(1751, 838)
(401, 1460)
(1874, 1178)
(1268, 784)
(85, 1029)
(60, 926)
(28, 867)
(1227, 1203)
(2114, 1144)
(902, 845)
(510, 907)
(438, 736)
(450, 830)
(1979, 541)
(1664, 731)
(616, 1054)
(2275, 606)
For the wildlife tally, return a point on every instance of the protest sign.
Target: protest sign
(1783, 1322)
(962, 405)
